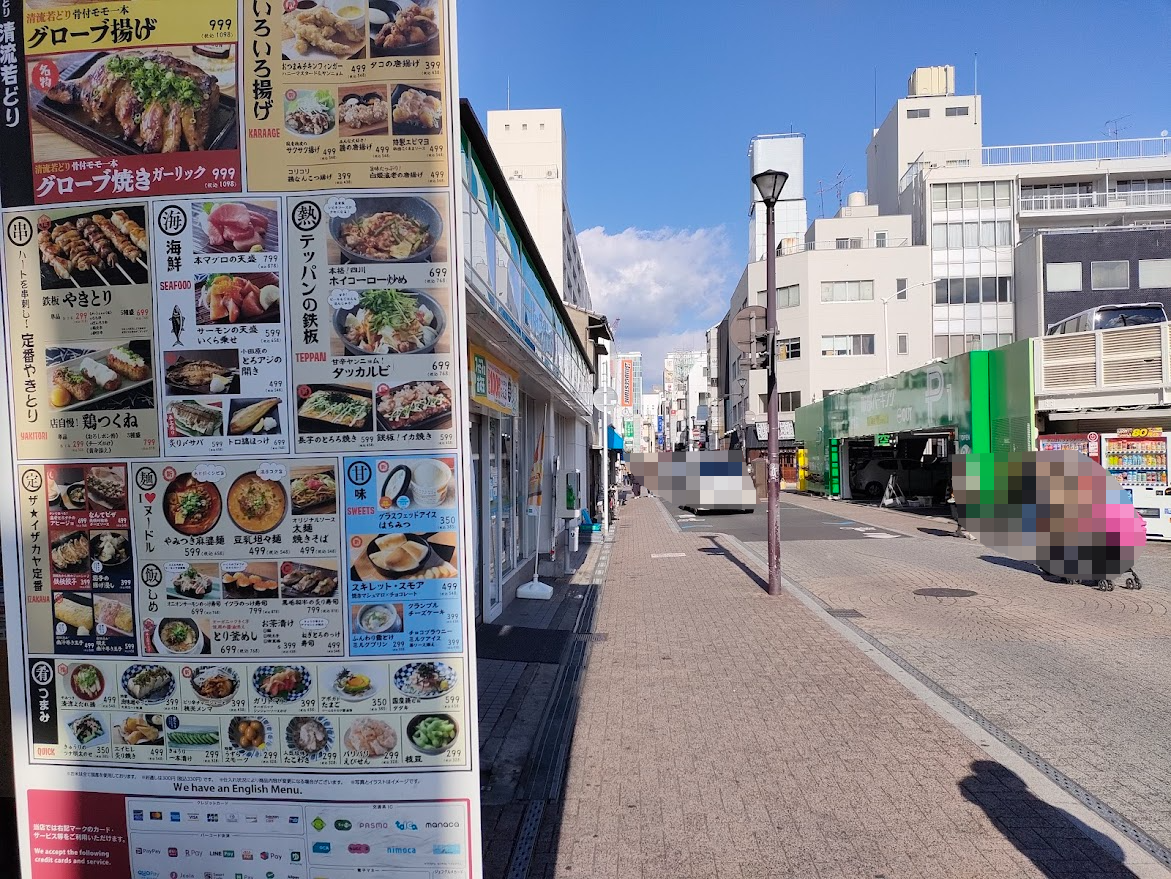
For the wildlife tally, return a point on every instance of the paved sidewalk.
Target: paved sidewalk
(724, 733)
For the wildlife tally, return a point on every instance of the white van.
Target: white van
(1109, 317)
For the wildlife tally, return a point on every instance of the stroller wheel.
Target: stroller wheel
(1104, 585)
(1132, 581)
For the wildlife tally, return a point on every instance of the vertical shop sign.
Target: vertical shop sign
(237, 508)
(627, 389)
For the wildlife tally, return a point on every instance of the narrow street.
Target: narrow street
(1077, 676)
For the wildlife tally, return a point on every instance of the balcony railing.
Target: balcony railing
(1078, 151)
(1095, 201)
(1042, 153)
(842, 244)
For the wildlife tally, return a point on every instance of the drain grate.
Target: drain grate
(846, 613)
(938, 592)
(594, 637)
(526, 840)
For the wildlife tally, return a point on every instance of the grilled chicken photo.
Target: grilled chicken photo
(159, 101)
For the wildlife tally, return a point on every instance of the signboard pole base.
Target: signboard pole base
(535, 588)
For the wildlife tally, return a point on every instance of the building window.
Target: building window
(1004, 289)
(1112, 274)
(847, 346)
(1003, 232)
(987, 194)
(971, 234)
(971, 195)
(1005, 339)
(1154, 273)
(902, 343)
(1003, 194)
(1063, 277)
(847, 291)
(918, 113)
(900, 288)
(987, 233)
(941, 291)
(956, 111)
(955, 192)
(827, 391)
(848, 243)
(938, 196)
(789, 401)
(941, 347)
(972, 290)
(789, 349)
(938, 236)
(955, 236)
(788, 297)
(880, 239)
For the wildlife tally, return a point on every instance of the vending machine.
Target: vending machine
(1086, 443)
(1138, 457)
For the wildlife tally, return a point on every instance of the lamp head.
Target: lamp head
(769, 184)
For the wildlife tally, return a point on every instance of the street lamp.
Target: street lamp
(769, 184)
(886, 324)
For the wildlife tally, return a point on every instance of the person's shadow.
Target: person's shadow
(1059, 845)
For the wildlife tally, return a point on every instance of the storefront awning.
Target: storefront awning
(615, 438)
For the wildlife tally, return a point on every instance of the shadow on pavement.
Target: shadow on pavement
(938, 532)
(1059, 845)
(718, 549)
(1023, 567)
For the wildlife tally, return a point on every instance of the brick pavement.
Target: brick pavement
(1078, 676)
(723, 733)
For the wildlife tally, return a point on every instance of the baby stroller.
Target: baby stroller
(1130, 580)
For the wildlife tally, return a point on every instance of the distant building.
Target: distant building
(777, 152)
(530, 146)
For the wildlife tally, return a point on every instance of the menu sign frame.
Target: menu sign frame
(238, 505)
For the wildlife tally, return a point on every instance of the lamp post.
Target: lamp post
(886, 324)
(769, 184)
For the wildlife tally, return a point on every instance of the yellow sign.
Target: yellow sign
(493, 384)
(52, 27)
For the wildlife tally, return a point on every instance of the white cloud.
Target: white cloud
(664, 287)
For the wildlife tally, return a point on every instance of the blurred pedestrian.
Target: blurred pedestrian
(960, 531)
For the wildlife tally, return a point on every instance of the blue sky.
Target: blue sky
(661, 99)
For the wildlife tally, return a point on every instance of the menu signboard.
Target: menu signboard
(237, 384)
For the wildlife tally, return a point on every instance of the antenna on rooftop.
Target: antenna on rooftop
(835, 186)
(1112, 128)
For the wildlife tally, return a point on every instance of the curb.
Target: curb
(1141, 853)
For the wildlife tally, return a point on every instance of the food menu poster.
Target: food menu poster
(236, 512)
(118, 100)
(346, 95)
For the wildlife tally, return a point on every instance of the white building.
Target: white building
(678, 367)
(715, 423)
(777, 152)
(530, 146)
(972, 204)
(854, 304)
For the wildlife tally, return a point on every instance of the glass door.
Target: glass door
(478, 529)
(507, 508)
(493, 594)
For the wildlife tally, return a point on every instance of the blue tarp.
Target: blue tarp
(615, 438)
